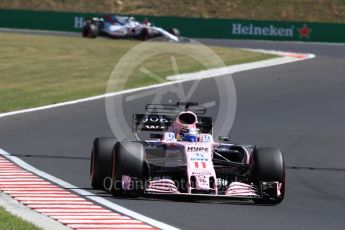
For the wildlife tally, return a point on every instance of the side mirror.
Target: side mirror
(223, 138)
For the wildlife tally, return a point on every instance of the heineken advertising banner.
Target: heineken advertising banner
(189, 27)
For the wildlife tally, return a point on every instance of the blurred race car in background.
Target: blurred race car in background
(181, 158)
(126, 27)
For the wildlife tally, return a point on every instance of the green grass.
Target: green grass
(10, 222)
(40, 70)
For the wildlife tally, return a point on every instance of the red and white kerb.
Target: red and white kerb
(60, 204)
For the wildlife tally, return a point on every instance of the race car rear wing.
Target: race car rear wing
(161, 123)
(175, 108)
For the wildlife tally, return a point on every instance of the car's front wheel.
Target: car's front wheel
(269, 175)
(144, 34)
(174, 31)
(128, 168)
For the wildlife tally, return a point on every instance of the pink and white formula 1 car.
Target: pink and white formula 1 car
(182, 158)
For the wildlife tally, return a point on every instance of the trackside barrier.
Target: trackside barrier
(189, 27)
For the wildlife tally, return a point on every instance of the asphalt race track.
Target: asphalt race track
(298, 107)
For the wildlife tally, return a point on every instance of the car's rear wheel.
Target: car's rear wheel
(269, 169)
(128, 167)
(90, 30)
(100, 167)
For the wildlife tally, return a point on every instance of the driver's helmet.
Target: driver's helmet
(189, 134)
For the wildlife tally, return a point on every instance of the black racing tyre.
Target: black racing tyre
(144, 34)
(101, 161)
(269, 167)
(128, 160)
(90, 30)
(174, 31)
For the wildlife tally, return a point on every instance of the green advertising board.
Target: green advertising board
(189, 27)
